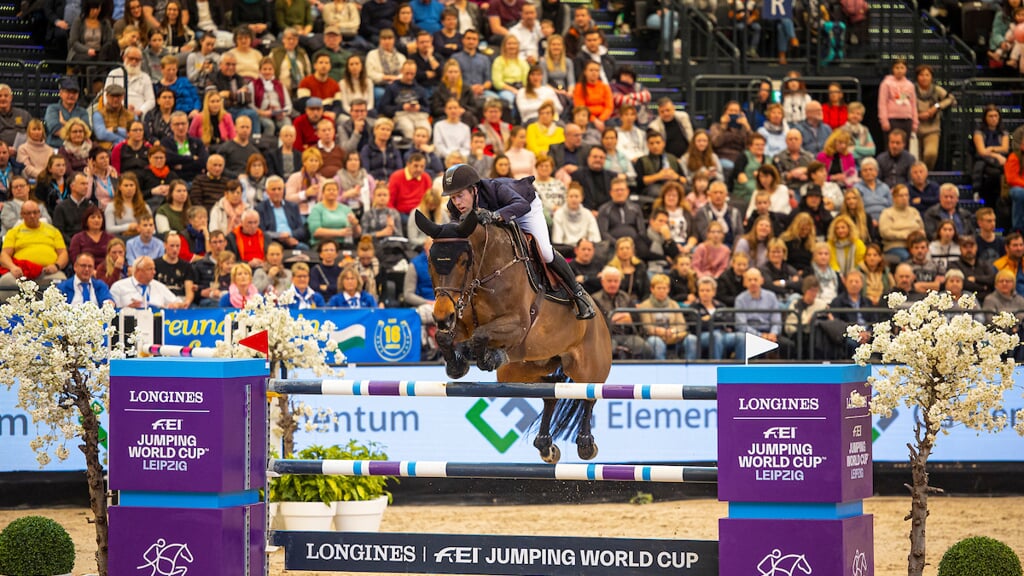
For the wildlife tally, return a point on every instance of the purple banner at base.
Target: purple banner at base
(186, 434)
(793, 443)
(183, 541)
(797, 547)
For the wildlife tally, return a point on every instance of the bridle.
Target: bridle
(469, 287)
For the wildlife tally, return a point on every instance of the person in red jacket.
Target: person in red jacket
(408, 185)
(1014, 172)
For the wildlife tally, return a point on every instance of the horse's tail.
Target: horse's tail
(567, 419)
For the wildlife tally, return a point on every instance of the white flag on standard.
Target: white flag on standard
(755, 346)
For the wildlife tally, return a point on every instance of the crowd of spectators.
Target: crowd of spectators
(250, 147)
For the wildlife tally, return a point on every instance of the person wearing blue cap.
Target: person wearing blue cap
(58, 113)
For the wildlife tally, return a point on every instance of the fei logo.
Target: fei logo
(162, 559)
(502, 442)
(775, 564)
(458, 555)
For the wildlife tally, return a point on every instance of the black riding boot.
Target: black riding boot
(584, 311)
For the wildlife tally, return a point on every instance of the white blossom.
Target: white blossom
(58, 355)
(946, 363)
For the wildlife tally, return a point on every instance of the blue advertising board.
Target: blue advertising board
(498, 429)
(364, 335)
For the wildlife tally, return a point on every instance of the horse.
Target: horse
(487, 311)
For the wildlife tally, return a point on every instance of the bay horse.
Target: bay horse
(488, 312)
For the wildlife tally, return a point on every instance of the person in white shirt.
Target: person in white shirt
(529, 34)
(632, 140)
(140, 97)
(141, 290)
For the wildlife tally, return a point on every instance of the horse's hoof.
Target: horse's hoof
(586, 448)
(457, 368)
(552, 455)
(492, 359)
(588, 452)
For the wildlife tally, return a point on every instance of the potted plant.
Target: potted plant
(36, 546)
(363, 498)
(307, 500)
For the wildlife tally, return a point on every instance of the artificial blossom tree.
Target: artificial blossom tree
(948, 368)
(58, 355)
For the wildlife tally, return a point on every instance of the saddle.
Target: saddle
(542, 280)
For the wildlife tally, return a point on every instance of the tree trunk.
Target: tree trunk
(919, 491)
(93, 468)
(286, 420)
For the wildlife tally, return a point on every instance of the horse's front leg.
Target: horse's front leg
(490, 341)
(586, 448)
(456, 356)
(549, 451)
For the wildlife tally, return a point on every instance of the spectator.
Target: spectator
(674, 125)
(803, 311)
(595, 94)
(897, 102)
(780, 277)
(290, 61)
(54, 182)
(406, 101)
(11, 211)
(476, 67)
(110, 119)
(228, 212)
(1012, 260)
(835, 112)
(944, 247)
(633, 141)
(319, 84)
(1005, 298)
(350, 291)
(280, 219)
(594, 50)
(356, 132)
(501, 16)
(875, 193)
(123, 214)
(990, 245)
(356, 184)
(573, 222)
(926, 271)
(534, 94)
(448, 40)
(236, 94)
(683, 280)
(609, 299)
(355, 85)
(597, 183)
(711, 257)
(35, 153)
(58, 113)
(853, 207)
(729, 137)
(845, 245)
(175, 273)
(69, 216)
(657, 167)
(656, 246)
(991, 150)
(201, 64)
(82, 287)
(302, 296)
(9, 168)
(156, 179)
(408, 185)
(381, 221)
(897, 222)
(197, 232)
(273, 103)
(894, 164)
(717, 331)
(77, 146)
(876, 277)
(89, 34)
(332, 219)
(839, 162)
(32, 249)
(793, 162)
(754, 243)
(92, 237)
(324, 276)
(157, 121)
(665, 327)
(948, 209)
(186, 155)
(208, 188)
(381, 158)
(831, 194)
(761, 205)
(144, 244)
(428, 66)
(214, 125)
(931, 101)
(305, 124)
(295, 15)
(452, 135)
(254, 179)
(13, 120)
(774, 130)
(332, 155)
(795, 98)
(303, 187)
(924, 193)
(761, 316)
(247, 241)
(863, 143)
(206, 267)
(139, 85)
(1014, 171)
(634, 272)
(680, 216)
(744, 179)
(241, 289)
(717, 209)
(172, 215)
(780, 199)
(405, 29)
(813, 130)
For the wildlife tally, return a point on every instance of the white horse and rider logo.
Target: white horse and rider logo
(860, 564)
(162, 559)
(775, 564)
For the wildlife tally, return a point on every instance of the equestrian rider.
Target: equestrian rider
(505, 199)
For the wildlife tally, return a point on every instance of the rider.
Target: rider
(505, 199)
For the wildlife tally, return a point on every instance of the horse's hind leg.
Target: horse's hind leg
(549, 451)
(586, 447)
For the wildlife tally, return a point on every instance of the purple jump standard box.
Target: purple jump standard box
(794, 463)
(188, 451)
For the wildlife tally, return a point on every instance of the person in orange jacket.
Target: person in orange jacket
(595, 95)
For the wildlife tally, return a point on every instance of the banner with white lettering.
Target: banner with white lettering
(493, 554)
(777, 9)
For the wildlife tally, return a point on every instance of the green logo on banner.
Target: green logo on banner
(502, 442)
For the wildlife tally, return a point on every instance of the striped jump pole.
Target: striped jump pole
(441, 388)
(508, 471)
(166, 350)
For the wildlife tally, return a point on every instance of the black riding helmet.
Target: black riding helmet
(458, 178)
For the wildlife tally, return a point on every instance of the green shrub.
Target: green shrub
(979, 556)
(36, 546)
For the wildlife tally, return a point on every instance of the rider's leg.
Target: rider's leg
(533, 223)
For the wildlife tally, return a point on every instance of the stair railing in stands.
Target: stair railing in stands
(701, 40)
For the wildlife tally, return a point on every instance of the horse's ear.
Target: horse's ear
(468, 224)
(426, 225)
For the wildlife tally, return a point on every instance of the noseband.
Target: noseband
(470, 286)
